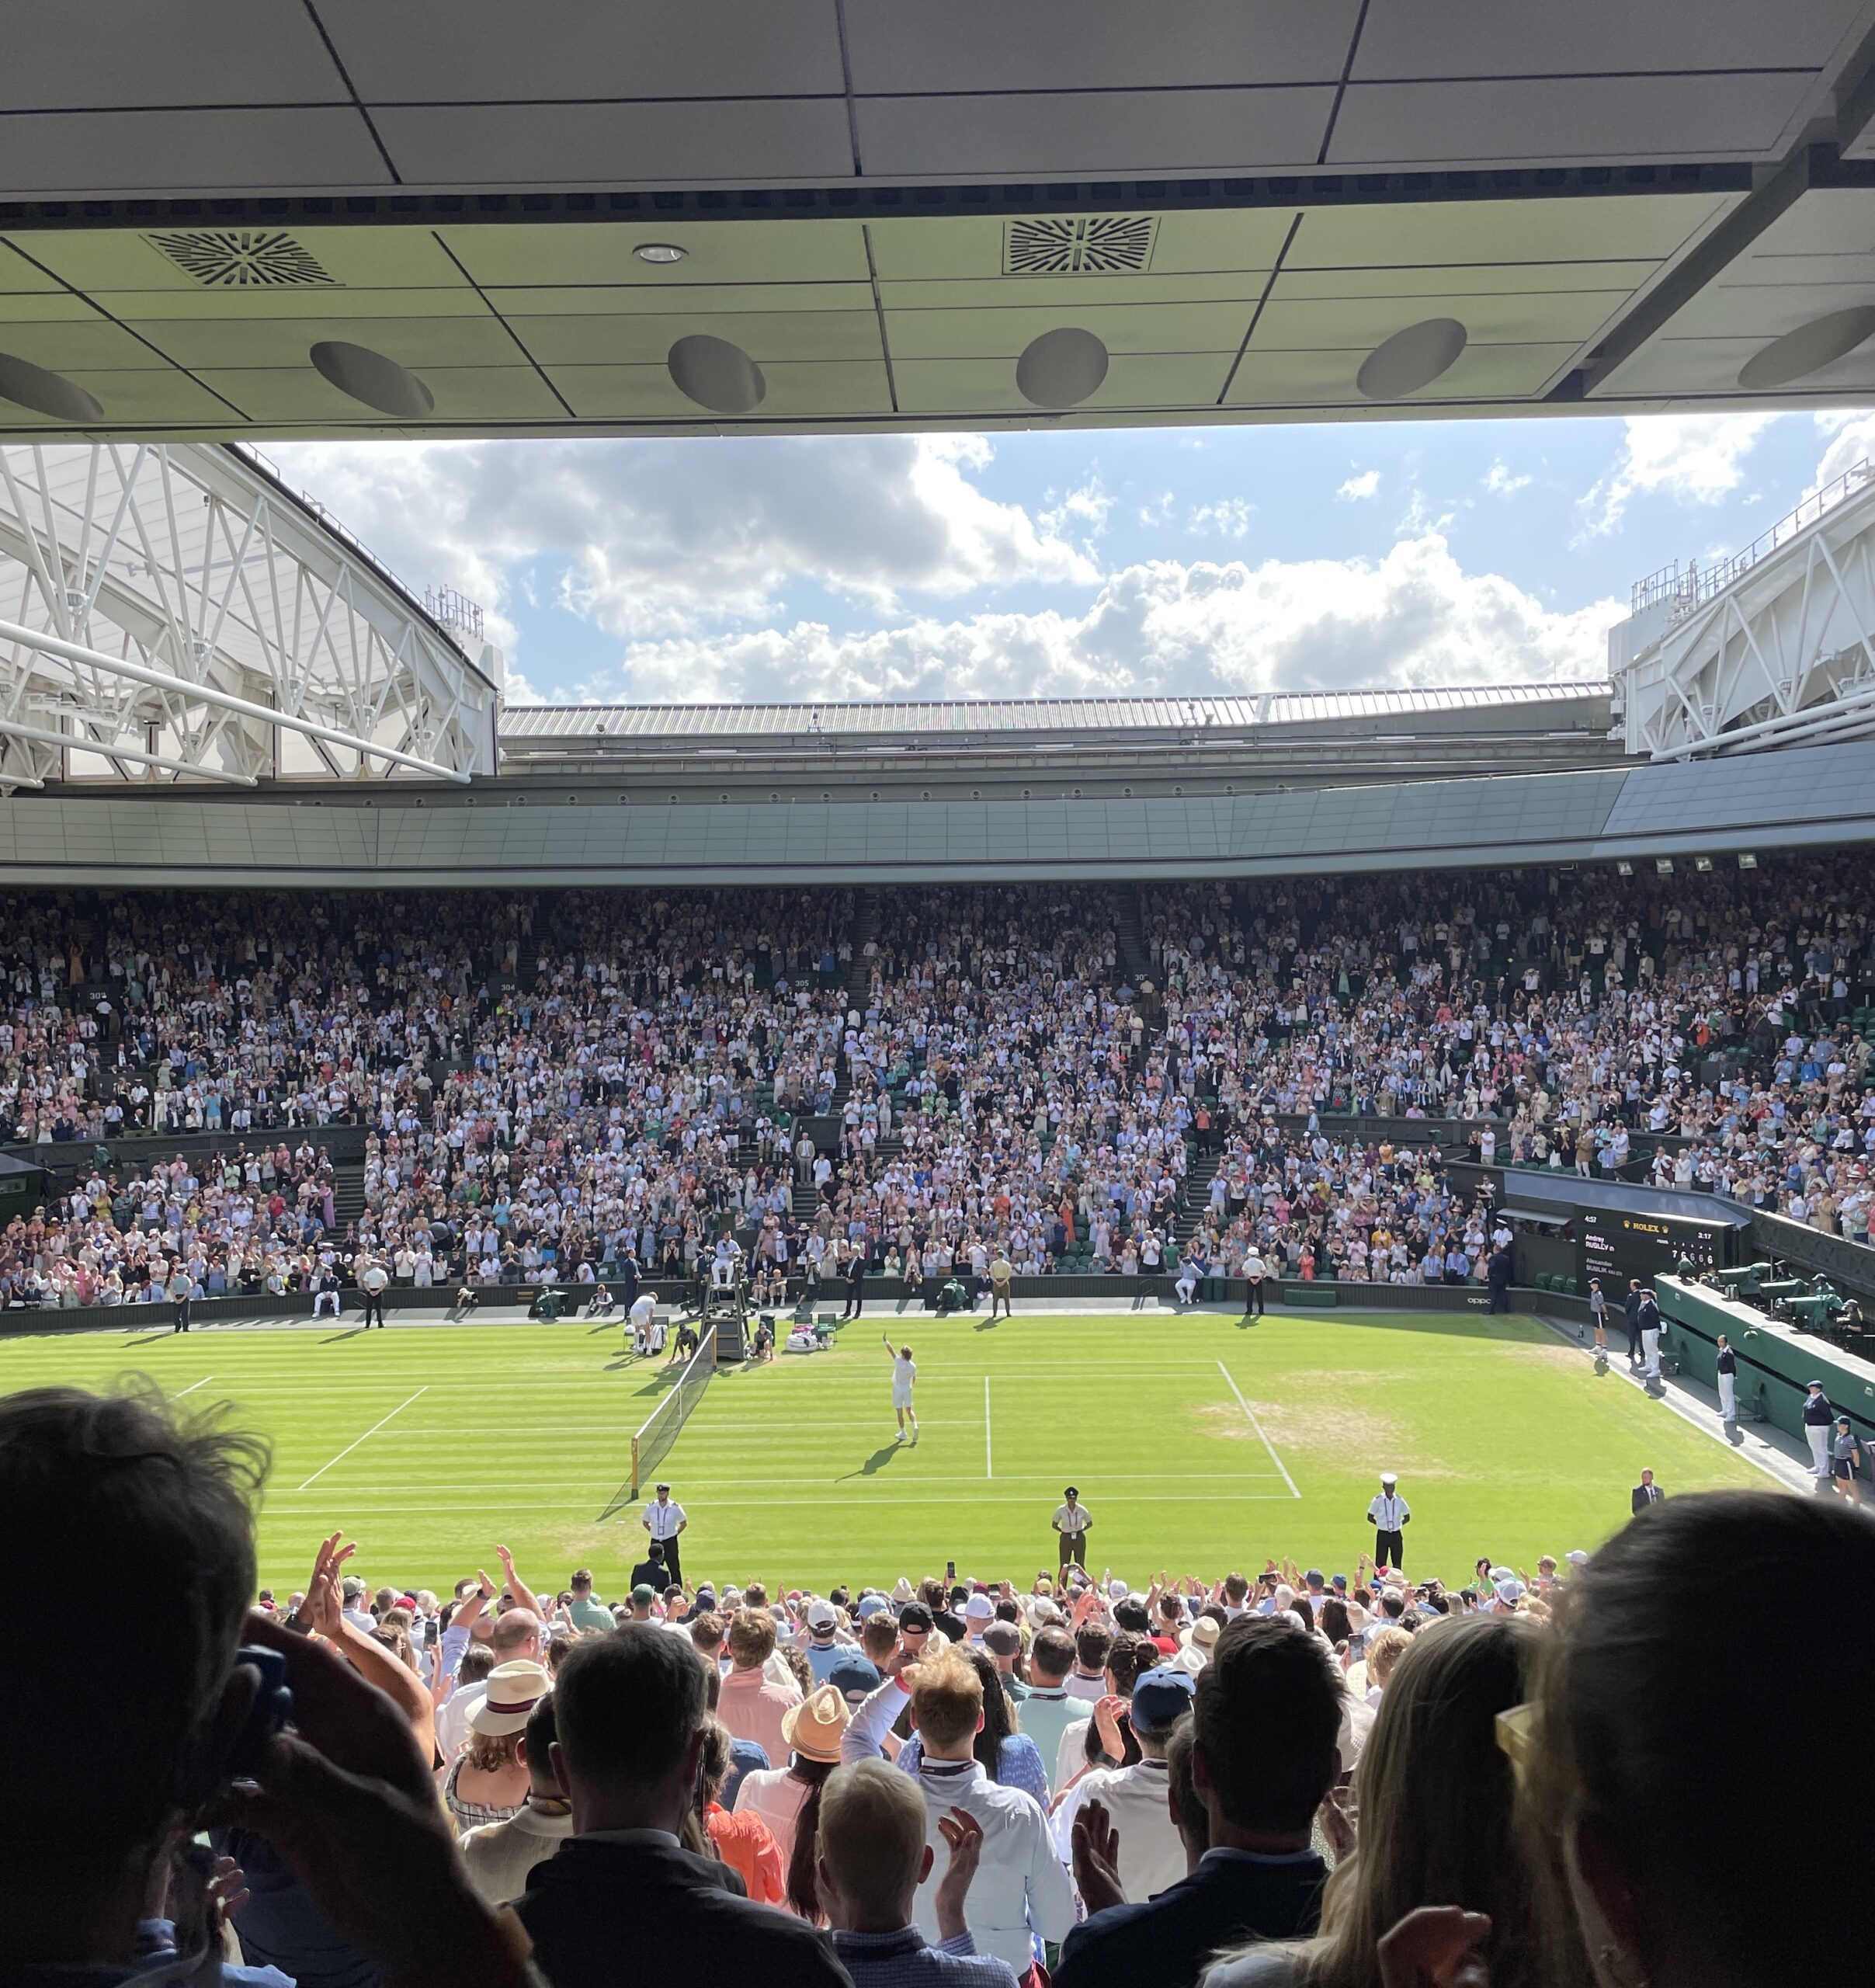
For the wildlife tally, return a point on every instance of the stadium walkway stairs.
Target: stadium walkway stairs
(1197, 1197)
(1129, 934)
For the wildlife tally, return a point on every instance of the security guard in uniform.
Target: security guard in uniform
(1388, 1515)
(1728, 1364)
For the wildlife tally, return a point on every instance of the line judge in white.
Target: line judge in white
(664, 1520)
(1389, 1515)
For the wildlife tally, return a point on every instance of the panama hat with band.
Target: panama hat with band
(514, 1690)
(815, 1728)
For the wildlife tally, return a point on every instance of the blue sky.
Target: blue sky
(1070, 563)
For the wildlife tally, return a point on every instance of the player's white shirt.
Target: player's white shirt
(904, 1373)
(644, 1308)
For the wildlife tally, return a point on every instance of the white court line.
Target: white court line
(706, 1485)
(366, 1437)
(874, 1502)
(989, 1454)
(191, 1387)
(1258, 1427)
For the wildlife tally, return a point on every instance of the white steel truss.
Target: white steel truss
(173, 613)
(1780, 651)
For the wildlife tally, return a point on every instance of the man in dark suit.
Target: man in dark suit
(1631, 1304)
(630, 1707)
(1645, 1493)
(1265, 1750)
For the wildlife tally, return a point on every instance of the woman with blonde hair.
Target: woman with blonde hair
(1436, 1796)
(487, 1782)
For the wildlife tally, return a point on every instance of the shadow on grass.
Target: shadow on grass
(150, 1339)
(875, 1463)
(333, 1339)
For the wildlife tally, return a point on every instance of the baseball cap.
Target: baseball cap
(854, 1678)
(644, 1594)
(1160, 1698)
(1510, 1590)
(914, 1615)
(1003, 1639)
(980, 1609)
(1339, 1582)
(1313, 1577)
(869, 1606)
(1577, 1558)
(821, 1616)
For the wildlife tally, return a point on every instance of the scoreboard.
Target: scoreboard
(1615, 1246)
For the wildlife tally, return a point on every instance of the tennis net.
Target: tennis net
(661, 1428)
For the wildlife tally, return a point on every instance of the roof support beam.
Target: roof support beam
(68, 741)
(205, 693)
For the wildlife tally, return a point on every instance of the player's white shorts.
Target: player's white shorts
(902, 1397)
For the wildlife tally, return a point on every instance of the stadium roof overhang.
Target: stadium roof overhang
(496, 834)
(280, 217)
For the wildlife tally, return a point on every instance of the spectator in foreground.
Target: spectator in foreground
(121, 1757)
(1151, 1855)
(1436, 1826)
(500, 1855)
(1267, 1715)
(752, 1704)
(1022, 1889)
(630, 1708)
(1671, 1852)
(872, 1857)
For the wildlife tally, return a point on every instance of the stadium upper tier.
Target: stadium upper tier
(1280, 736)
(341, 217)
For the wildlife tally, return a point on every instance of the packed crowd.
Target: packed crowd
(602, 1079)
(1260, 1783)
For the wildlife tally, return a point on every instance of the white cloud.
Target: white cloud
(1694, 458)
(1357, 489)
(1229, 517)
(1412, 617)
(1852, 433)
(1500, 481)
(665, 538)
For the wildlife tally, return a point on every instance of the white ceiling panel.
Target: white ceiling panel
(1144, 327)
(88, 344)
(203, 344)
(1360, 323)
(296, 393)
(98, 54)
(483, 51)
(987, 45)
(1129, 131)
(1815, 258)
(644, 339)
(134, 399)
(173, 152)
(613, 145)
(1586, 120)
(714, 252)
(1325, 378)
(960, 387)
(1586, 228)
(657, 301)
(795, 392)
(949, 248)
(1439, 38)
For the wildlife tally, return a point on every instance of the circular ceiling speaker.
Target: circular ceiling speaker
(1411, 359)
(370, 378)
(1061, 368)
(1809, 349)
(27, 385)
(717, 374)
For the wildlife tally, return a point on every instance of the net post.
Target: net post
(634, 1466)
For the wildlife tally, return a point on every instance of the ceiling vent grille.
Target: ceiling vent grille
(244, 259)
(1083, 245)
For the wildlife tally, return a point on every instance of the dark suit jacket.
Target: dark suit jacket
(591, 1908)
(1229, 1899)
(1640, 1498)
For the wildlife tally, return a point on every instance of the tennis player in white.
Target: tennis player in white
(904, 1375)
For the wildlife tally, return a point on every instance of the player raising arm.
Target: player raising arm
(905, 1374)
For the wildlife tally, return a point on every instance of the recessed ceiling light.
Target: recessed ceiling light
(1411, 359)
(659, 251)
(1809, 349)
(371, 379)
(27, 385)
(1060, 368)
(717, 374)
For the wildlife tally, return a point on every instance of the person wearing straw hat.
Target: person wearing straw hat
(499, 1855)
(487, 1782)
(788, 1798)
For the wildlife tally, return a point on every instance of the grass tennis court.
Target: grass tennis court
(1198, 1443)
